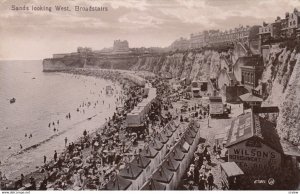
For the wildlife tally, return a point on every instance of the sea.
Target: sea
(35, 125)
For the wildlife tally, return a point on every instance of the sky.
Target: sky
(30, 34)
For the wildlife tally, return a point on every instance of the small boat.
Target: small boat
(13, 100)
(33, 78)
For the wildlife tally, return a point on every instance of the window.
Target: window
(204, 87)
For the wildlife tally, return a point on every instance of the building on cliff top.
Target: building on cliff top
(121, 46)
(199, 40)
(287, 27)
(180, 44)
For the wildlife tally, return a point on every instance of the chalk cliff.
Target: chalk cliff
(282, 73)
(61, 64)
(189, 64)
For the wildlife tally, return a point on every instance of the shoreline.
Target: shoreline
(113, 76)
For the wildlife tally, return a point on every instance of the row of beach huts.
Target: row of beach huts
(163, 162)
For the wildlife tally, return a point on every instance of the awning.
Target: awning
(289, 149)
(249, 97)
(231, 169)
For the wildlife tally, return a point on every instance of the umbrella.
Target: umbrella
(81, 171)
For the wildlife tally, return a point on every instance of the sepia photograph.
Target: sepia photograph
(149, 95)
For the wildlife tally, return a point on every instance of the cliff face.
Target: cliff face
(189, 64)
(62, 64)
(282, 74)
(118, 62)
(193, 65)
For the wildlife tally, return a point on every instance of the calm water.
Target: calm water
(47, 98)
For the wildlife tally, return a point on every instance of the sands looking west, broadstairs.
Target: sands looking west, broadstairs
(58, 8)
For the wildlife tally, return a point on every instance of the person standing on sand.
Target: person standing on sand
(55, 155)
(210, 181)
(45, 159)
(66, 141)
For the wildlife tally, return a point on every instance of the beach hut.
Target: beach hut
(133, 173)
(168, 133)
(230, 171)
(153, 185)
(163, 175)
(178, 155)
(173, 165)
(252, 99)
(143, 163)
(118, 183)
(163, 139)
(187, 137)
(157, 145)
(151, 153)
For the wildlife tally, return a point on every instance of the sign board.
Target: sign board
(186, 146)
(216, 108)
(254, 157)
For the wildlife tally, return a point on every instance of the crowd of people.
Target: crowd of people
(93, 160)
(199, 175)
